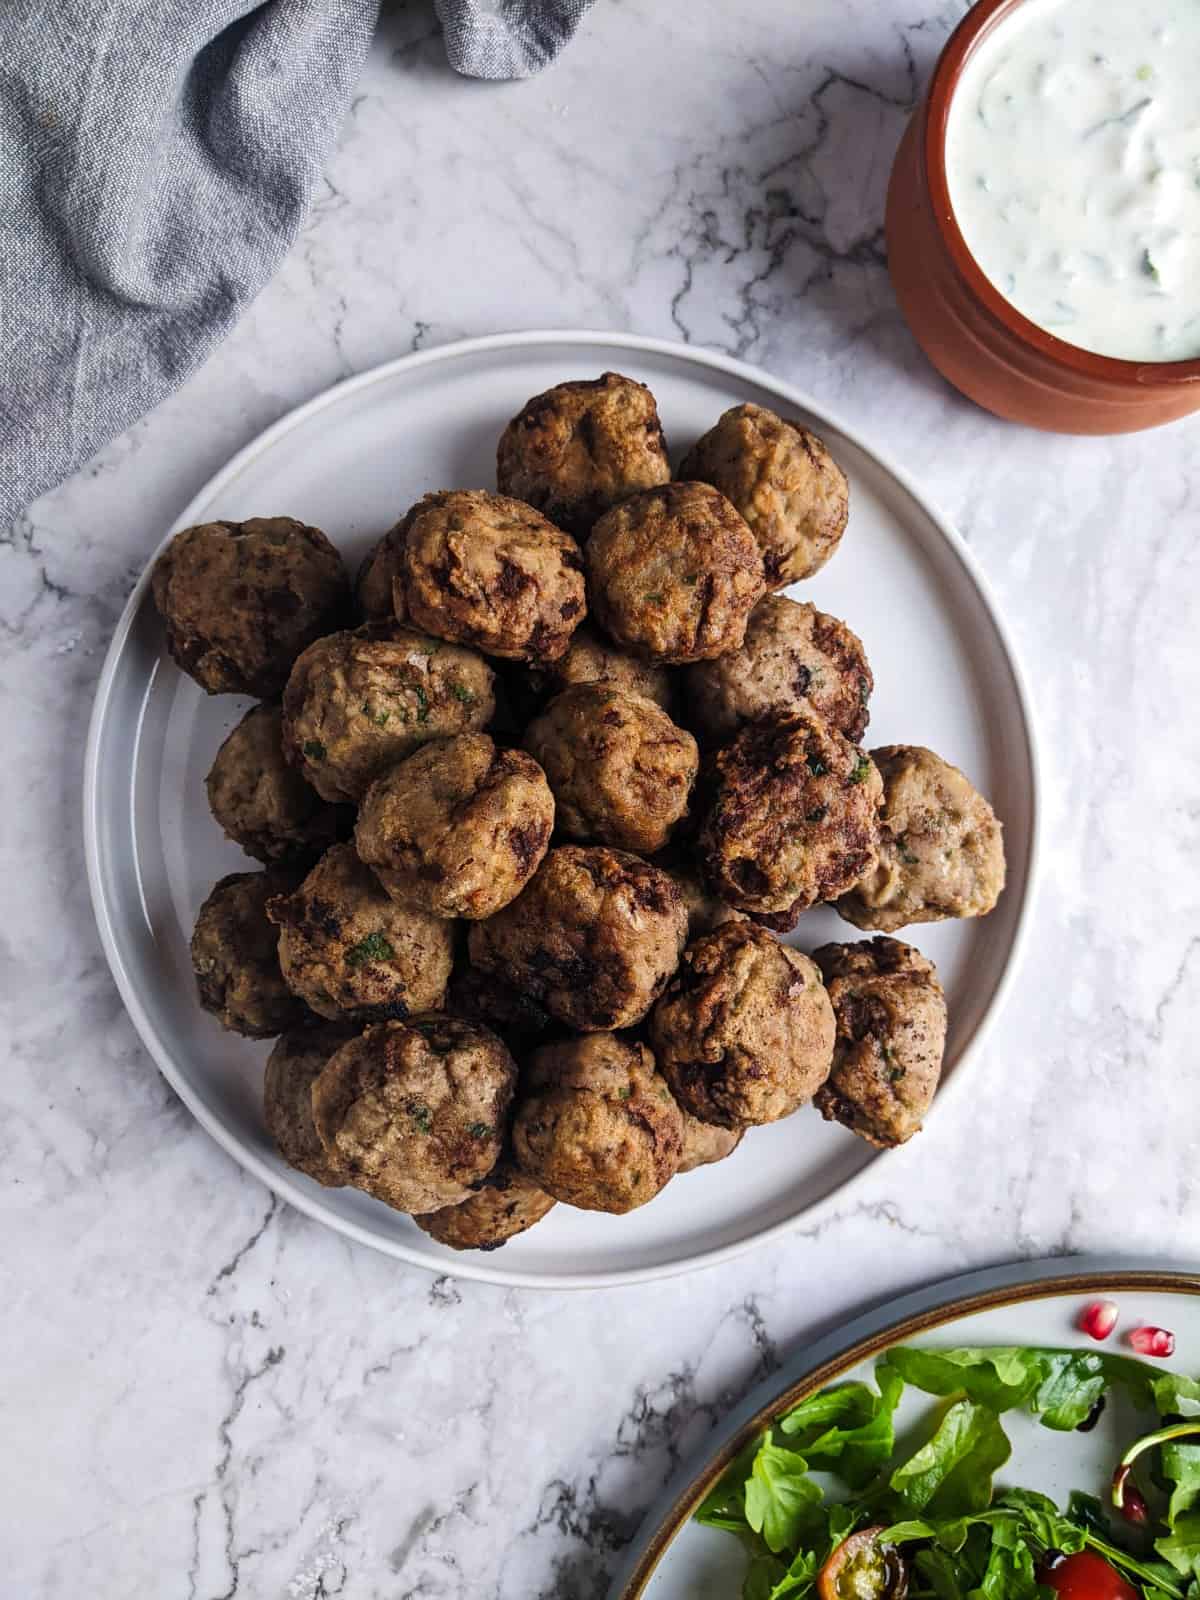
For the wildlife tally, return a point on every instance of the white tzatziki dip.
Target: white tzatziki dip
(1073, 159)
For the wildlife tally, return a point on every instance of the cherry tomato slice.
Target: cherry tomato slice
(1087, 1576)
(862, 1569)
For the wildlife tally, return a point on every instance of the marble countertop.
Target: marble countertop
(203, 1393)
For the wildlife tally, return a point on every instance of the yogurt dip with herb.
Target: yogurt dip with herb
(1073, 161)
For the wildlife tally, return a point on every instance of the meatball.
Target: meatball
(582, 447)
(590, 658)
(292, 1068)
(415, 1112)
(794, 819)
(705, 1143)
(485, 570)
(597, 1126)
(349, 951)
(517, 1017)
(235, 955)
(794, 659)
(783, 481)
(674, 573)
(941, 848)
(358, 702)
(458, 828)
(744, 1033)
(891, 1035)
(378, 584)
(705, 910)
(506, 1205)
(593, 938)
(240, 600)
(620, 769)
(261, 802)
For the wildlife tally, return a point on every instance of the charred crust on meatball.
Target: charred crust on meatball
(793, 820)
(241, 600)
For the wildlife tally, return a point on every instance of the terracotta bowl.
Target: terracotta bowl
(983, 345)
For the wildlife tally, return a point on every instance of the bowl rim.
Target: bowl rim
(980, 21)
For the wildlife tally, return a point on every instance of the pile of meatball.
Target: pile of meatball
(534, 799)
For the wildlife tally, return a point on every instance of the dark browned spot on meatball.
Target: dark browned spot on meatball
(512, 579)
(528, 842)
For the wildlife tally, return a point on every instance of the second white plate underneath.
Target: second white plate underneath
(351, 461)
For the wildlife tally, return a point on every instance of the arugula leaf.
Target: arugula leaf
(1086, 1511)
(1010, 1573)
(800, 1579)
(1181, 1469)
(1175, 1395)
(849, 1400)
(940, 1572)
(763, 1577)
(1001, 1378)
(1181, 1547)
(1061, 1386)
(863, 1437)
(724, 1506)
(951, 1475)
(781, 1499)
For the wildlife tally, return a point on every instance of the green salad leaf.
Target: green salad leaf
(781, 1498)
(852, 1425)
(1060, 1386)
(832, 1467)
(951, 1475)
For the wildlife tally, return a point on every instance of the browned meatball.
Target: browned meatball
(349, 951)
(261, 802)
(783, 481)
(705, 910)
(292, 1068)
(235, 955)
(596, 1126)
(891, 1036)
(378, 584)
(590, 658)
(705, 1143)
(674, 573)
(458, 828)
(506, 1205)
(620, 769)
(517, 1017)
(793, 821)
(744, 1033)
(489, 571)
(414, 1112)
(242, 599)
(794, 659)
(582, 447)
(941, 848)
(358, 702)
(593, 938)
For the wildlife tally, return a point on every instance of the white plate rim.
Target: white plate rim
(311, 1205)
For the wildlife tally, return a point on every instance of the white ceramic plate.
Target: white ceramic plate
(351, 461)
(673, 1558)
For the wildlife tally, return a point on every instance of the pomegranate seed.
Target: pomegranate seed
(1099, 1318)
(1153, 1341)
(1129, 1498)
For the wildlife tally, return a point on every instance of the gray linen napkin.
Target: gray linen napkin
(157, 158)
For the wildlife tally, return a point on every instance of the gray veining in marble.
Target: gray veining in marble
(204, 1394)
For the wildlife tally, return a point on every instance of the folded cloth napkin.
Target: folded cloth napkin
(157, 158)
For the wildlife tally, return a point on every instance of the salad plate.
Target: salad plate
(350, 462)
(994, 1399)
